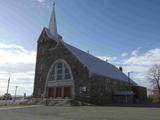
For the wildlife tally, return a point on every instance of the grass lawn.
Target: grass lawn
(80, 113)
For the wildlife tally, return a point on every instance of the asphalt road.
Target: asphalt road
(79, 113)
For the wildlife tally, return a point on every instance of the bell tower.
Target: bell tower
(48, 40)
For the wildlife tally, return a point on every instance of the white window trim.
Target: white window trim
(64, 64)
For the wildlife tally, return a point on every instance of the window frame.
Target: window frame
(53, 75)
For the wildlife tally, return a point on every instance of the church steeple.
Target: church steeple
(52, 24)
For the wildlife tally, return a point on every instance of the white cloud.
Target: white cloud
(140, 64)
(108, 59)
(15, 54)
(137, 62)
(41, 1)
(124, 54)
(135, 52)
(20, 62)
(149, 58)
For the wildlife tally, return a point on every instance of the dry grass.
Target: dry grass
(81, 113)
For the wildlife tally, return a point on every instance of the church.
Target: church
(66, 72)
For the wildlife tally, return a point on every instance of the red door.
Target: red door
(51, 92)
(59, 92)
(67, 91)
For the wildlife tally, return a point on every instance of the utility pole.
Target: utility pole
(15, 93)
(6, 95)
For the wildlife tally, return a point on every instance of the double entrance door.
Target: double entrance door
(59, 92)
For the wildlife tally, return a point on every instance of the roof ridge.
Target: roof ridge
(91, 55)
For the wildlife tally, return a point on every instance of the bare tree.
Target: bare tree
(154, 77)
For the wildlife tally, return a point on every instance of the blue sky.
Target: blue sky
(105, 27)
(126, 32)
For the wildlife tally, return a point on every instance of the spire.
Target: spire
(53, 24)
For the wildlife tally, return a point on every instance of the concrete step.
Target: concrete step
(66, 102)
(59, 102)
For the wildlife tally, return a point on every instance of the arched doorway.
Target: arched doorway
(59, 83)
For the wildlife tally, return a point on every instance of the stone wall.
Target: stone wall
(140, 94)
(47, 53)
(102, 89)
(92, 88)
(122, 99)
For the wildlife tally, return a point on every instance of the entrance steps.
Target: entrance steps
(59, 102)
(55, 102)
(66, 102)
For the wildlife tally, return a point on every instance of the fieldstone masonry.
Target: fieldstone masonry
(98, 89)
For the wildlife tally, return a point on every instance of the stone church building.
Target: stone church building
(66, 72)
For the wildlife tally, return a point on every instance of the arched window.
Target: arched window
(60, 71)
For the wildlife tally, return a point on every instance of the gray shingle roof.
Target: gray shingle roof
(94, 64)
(98, 66)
